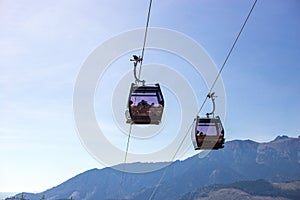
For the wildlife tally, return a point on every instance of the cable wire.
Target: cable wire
(201, 107)
(166, 169)
(145, 38)
(125, 160)
(232, 47)
(137, 78)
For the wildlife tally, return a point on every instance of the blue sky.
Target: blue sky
(44, 45)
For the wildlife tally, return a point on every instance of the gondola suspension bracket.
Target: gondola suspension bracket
(212, 97)
(137, 59)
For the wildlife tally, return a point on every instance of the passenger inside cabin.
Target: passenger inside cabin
(143, 103)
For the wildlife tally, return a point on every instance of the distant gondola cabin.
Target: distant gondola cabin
(145, 104)
(208, 133)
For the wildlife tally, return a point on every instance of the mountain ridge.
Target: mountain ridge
(239, 160)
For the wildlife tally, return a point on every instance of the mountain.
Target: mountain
(275, 161)
(278, 160)
(258, 189)
(3, 195)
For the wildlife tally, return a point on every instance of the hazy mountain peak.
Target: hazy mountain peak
(281, 137)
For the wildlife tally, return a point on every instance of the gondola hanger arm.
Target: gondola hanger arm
(212, 97)
(137, 59)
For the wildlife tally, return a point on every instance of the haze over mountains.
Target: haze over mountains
(240, 160)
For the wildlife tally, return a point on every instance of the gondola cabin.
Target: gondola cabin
(208, 133)
(145, 104)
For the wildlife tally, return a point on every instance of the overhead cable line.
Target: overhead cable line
(145, 38)
(125, 161)
(137, 78)
(201, 107)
